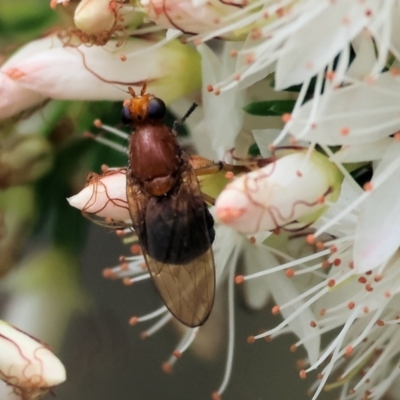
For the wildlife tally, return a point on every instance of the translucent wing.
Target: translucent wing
(176, 232)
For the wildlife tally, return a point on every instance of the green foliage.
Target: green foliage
(270, 108)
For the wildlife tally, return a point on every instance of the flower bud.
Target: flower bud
(95, 17)
(27, 364)
(291, 189)
(98, 73)
(194, 16)
(104, 196)
(23, 159)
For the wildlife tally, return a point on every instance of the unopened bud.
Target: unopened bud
(27, 364)
(104, 196)
(291, 189)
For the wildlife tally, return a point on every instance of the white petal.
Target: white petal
(255, 259)
(223, 113)
(313, 46)
(283, 290)
(15, 98)
(365, 56)
(377, 235)
(94, 73)
(360, 113)
(362, 152)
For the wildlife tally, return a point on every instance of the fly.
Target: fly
(168, 212)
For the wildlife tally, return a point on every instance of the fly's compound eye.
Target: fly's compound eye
(156, 109)
(126, 116)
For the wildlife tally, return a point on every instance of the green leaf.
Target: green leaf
(270, 108)
(254, 150)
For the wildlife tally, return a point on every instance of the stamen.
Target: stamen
(287, 265)
(183, 345)
(231, 324)
(111, 129)
(157, 326)
(151, 315)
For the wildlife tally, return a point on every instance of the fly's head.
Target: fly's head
(143, 108)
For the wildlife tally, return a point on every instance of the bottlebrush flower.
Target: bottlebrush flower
(26, 364)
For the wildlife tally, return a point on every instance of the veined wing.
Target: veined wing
(176, 232)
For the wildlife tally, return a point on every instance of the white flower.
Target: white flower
(97, 16)
(104, 196)
(194, 16)
(50, 69)
(291, 189)
(299, 39)
(26, 364)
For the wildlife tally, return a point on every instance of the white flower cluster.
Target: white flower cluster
(344, 55)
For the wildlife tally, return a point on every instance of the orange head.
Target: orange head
(143, 108)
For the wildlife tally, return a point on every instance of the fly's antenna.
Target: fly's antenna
(179, 123)
(131, 91)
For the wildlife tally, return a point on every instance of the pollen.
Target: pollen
(177, 354)
(276, 310)
(368, 186)
(133, 321)
(286, 117)
(122, 57)
(97, 123)
(251, 339)
(239, 279)
(229, 175)
(344, 131)
(290, 272)
(362, 280)
(330, 75)
(250, 58)
(313, 324)
(293, 348)
(331, 283)
(167, 367)
(351, 305)
(349, 351)
(136, 249)
(108, 273)
(310, 239)
(303, 374)
(216, 396)
(127, 281)
(337, 262)
(210, 88)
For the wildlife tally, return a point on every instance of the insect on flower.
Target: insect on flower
(168, 212)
